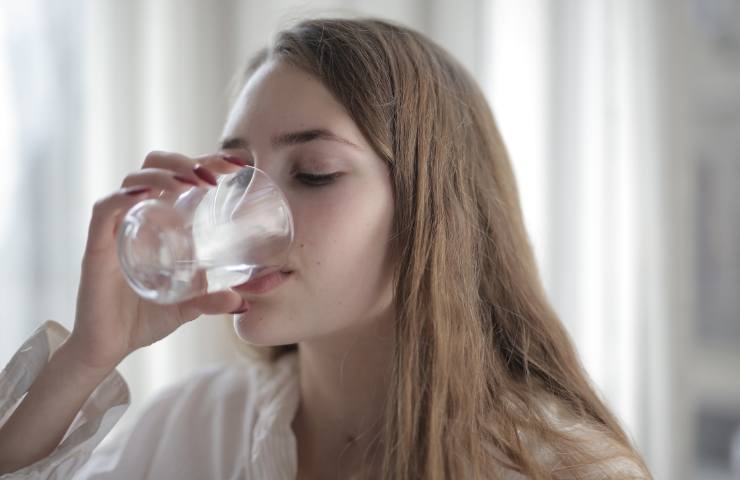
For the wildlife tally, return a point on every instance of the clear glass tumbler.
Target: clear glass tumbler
(206, 239)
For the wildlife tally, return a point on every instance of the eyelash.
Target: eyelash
(313, 180)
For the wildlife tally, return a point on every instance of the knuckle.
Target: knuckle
(151, 158)
(99, 205)
(128, 179)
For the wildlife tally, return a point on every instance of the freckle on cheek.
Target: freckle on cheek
(301, 245)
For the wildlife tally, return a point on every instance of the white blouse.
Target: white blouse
(224, 422)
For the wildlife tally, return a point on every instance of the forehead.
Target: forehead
(278, 98)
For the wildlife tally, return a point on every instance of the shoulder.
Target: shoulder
(240, 383)
(224, 400)
(605, 457)
(201, 426)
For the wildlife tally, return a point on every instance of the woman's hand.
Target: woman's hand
(112, 320)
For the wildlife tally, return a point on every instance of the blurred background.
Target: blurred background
(622, 119)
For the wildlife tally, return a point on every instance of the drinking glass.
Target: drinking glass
(206, 239)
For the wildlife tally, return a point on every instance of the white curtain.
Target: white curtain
(88, 89)
(573, 85)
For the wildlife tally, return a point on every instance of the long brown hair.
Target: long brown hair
(486, 380)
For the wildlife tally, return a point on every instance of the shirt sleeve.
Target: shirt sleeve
(100, 412)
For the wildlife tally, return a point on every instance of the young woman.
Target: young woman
(409, 335)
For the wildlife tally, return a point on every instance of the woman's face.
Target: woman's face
(340, 258)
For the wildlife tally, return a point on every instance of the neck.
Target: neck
(343, 384)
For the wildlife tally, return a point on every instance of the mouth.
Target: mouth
(264, 283)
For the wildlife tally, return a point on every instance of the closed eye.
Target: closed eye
(314, 180)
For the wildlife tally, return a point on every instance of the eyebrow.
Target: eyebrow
(291, 138)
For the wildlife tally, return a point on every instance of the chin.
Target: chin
(260, 331)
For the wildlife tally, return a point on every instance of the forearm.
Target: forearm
(38, 424)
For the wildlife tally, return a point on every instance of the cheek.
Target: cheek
(341, 252)
(342, 240)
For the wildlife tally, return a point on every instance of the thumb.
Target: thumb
(214, 303)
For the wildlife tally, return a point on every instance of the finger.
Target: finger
(107, 213)
(160, 178)
(209, 171)
(212, 304)
(179, 165)
(223, 163)
(183, 165)
(168, 160)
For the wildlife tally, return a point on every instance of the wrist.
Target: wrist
(69, 359)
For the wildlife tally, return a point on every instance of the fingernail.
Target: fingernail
(235, 160)
(135, 190)
(204, 174)
(185, 180)
(242, 308)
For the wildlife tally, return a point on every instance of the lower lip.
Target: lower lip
(264, 284)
